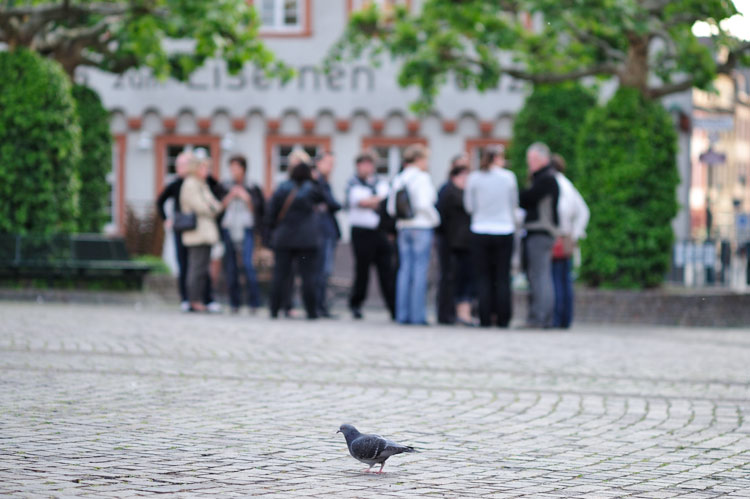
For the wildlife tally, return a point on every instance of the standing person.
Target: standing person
(243, 216)
(172, 191)
(491, 198)
(446, 303)
(217, 250)
(328, 229)
(364, 194)
(291, 216)
(540, 202)
(574, 217)
(414, 234)
(196, 198)
(457, 287)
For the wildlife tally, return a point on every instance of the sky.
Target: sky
(738, 25)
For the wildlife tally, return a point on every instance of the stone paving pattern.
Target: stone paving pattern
(118, 401)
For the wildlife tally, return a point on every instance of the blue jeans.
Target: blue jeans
(414, 247)
(326, 252)
(563, 293)
(232, 271)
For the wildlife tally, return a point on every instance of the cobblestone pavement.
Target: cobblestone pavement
(113, 401)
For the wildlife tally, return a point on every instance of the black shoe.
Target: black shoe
(357, 313)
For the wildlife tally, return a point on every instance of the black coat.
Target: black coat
(544, 187)
(327, 218)
(455, 224)
(298, 229)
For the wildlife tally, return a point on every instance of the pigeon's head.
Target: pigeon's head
(349, 431)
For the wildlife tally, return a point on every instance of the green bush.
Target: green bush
(628, 175)
(552, 114)
(96, 160)
(39, 145)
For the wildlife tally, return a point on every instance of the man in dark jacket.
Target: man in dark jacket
(241, 221)
(172, 191)
(540, 203)
(328, 228)
(294, 237)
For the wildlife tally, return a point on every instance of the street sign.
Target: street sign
(714, 123)
(712, 157)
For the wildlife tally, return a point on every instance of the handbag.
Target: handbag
(184, 221)
(404, 210)
(563, 248)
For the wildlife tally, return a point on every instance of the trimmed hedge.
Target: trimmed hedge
(552, 114)
(96, 160)
(39, 145)
(628, 175)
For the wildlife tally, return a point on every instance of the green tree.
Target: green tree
(39, 145)
(552, 114)
(626, 153)
(648, 45)
(118, 35)
(96, 160)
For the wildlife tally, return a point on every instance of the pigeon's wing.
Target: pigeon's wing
(392, 448)
(368, 447)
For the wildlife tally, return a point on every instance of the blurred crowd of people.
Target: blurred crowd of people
(476, 222)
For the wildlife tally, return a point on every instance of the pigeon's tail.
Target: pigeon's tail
(409, 448)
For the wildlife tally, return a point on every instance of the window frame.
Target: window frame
(304, 28)
(400, 142)
(116, 224)
(161, 143)
(273, 141)
(350, 6)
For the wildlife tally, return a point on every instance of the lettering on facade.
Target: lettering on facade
(307, 78)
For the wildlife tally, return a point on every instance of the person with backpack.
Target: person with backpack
(412, 202)
(294, 238)
(365, 194)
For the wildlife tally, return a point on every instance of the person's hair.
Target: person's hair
(300, 173)
(540, 148)
(558, 162)
(240, 160)
(193, 164)
(299, 155)
(365, 156)
(322, 155)
(414, 153)
(456, 159)
(458, 170)
(490, 155)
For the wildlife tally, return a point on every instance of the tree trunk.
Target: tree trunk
(635, 72)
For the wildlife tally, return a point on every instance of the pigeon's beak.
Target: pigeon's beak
(338, 431)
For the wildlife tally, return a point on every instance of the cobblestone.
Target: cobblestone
(117, 401)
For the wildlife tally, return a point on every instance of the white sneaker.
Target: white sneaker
(214, 308)
(185, 306)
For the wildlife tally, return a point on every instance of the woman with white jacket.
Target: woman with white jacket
(196, 198)
(573, 215)
(414, 235)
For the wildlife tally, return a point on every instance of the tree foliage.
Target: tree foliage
(118, 35)
(96, 160)
(645, 44)
(39, 145)
(553, 114)
(627, 174)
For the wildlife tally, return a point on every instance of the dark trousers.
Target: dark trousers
(370, 247)
(232, 270)
(324, 269)
(284, 260)
(182, 265)
(563, 292)
(446, 303)
(538, 248)
(199, 258)
(492, 256)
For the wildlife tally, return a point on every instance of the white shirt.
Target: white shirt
(572, 211)
(491, 198)
(422, 196)
(365, 218)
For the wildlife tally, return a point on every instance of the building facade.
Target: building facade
(352, 108)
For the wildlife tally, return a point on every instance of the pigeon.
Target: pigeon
(371, 449)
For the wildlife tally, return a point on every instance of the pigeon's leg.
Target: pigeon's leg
(380, 471)
(368, 469)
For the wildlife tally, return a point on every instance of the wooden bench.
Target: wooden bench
(75, 256)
